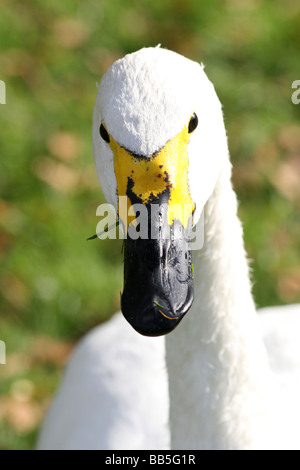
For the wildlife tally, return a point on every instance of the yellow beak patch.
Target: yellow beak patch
(144, 179)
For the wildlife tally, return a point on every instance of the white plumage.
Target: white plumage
(114, 394)
(208, 384)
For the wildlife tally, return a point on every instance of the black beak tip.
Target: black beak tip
(154, 319)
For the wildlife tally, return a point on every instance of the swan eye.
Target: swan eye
(193, 123)
(104, 133)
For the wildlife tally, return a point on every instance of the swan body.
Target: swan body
(213, 382)
(78, 419)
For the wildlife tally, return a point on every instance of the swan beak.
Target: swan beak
(158, 271)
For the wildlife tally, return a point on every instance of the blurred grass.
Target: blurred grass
(54, 286)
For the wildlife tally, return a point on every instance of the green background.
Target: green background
(54, 285)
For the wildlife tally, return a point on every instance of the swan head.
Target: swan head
(158, 141)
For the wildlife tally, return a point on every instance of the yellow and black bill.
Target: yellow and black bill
(158, 270)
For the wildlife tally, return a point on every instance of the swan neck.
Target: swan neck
(216, 400)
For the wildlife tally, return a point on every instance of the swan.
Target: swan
(224, 377)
